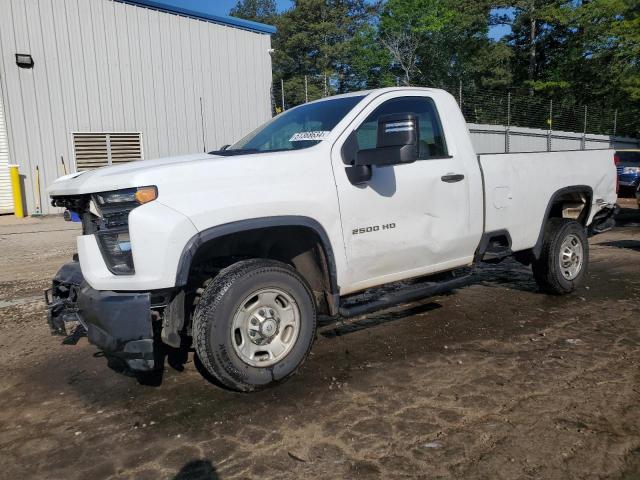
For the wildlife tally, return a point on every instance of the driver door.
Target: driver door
(408, 219)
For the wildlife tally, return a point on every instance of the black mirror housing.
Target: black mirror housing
(398, 138)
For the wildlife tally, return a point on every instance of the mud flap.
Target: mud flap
(603, 221)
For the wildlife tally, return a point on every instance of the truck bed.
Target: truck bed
(518, 188)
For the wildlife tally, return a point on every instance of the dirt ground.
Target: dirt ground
(494, 381)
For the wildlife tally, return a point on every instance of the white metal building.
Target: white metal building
(86, 83)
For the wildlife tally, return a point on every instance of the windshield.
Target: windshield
(298, 128)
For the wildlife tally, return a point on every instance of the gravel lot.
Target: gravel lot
(493, 381)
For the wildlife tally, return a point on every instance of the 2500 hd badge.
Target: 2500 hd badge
(376, 228)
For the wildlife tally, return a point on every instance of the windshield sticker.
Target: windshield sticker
(309, 136)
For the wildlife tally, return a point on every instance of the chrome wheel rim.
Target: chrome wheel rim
(571, 257)
(265, 327)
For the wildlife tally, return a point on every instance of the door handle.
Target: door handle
(452, 178)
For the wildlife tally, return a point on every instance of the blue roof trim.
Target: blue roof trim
(232, 21)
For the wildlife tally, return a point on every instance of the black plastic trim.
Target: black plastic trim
(192, 246)
(486, 240)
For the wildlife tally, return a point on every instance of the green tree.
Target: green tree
(328, 41)
(264, 11)
(441, 42)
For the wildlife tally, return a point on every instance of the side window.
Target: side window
(432, 143)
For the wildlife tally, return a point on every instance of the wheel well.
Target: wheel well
(575, 205)
(570, 202)
(298, 246)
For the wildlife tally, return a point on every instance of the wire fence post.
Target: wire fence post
(306, 90)
(507, 133)
(282, 92)
(584, 130)
(550, 125)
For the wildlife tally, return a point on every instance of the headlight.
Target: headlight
(116, 251)
(631, 170)
(128, 196)
(113, 225)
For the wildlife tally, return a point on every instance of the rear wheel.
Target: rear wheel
(254, 324)
(564, 257)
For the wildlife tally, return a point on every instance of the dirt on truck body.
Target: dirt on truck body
(496, 381)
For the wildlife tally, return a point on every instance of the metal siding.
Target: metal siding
(76, 65)
(140, 113)
(208, 86)
(6, 198)
(228, 77)
(56, 108)
(47, 158)
(148, 87)
(20, 99)
(105, 66)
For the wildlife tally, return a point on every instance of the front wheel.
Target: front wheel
(254, 324)
(563, 260)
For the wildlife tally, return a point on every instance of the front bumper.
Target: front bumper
(119, 324)
(628, 181)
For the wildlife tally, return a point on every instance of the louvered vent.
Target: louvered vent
(94, 150)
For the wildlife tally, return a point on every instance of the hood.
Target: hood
(128, 175)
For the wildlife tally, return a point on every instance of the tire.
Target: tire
(264, 298)
(551, 274)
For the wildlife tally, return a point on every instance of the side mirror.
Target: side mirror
(398, 138)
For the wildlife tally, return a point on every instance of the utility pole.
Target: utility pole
(460, 93)
(306, 90)
(550, 125)
(507, 133)
(615, 122)
(282, 91)
(584, 130)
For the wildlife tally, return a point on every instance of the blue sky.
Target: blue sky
(216, 7)
(222, 7)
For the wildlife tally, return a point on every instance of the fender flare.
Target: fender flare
(192, 246)
(586, 213)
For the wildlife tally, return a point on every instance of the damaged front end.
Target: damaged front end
(119, 324)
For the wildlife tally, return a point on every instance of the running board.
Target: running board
(407, 294)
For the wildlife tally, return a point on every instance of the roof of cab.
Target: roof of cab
(223, 20)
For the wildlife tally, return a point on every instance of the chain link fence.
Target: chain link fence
(488, 107)
(518, 109)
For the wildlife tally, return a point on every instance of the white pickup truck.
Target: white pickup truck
(237, 252)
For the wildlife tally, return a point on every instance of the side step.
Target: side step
(402, 295)
(496, 253)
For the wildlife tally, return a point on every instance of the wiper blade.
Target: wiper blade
(229, 153)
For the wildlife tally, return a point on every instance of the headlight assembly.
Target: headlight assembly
(128, 196)
(113, 225)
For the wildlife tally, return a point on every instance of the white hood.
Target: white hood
(127, 175)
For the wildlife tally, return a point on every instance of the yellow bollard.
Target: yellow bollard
(18, 209)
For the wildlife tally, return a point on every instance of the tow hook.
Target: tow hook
(61, 311)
